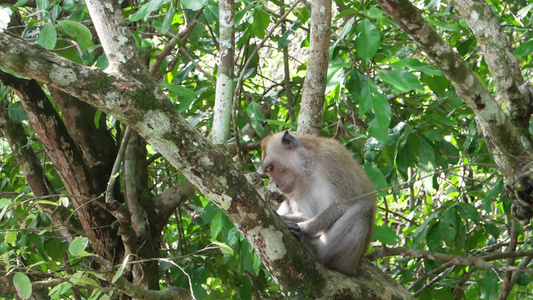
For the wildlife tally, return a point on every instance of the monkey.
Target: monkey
(330, 202)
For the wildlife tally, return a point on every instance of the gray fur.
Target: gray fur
(329, 197)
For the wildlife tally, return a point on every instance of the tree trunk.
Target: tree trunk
(312, 106)
(225, 87)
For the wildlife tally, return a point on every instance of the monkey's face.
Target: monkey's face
(282, 162)
(285, 180)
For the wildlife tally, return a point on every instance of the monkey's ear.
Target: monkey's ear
(289, 140)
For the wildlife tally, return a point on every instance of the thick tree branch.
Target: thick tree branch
(500, 59)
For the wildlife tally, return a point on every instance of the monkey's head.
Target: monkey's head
(283, 160)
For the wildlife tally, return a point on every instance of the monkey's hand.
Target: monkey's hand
(295, 229)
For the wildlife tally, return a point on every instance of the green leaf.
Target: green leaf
(494, 193)
(375, 12)
(167, 21)
(151, 6)
(224, 248)
(77, 246)
(368, 40)
(438, 84)
(96, 118)
(413, 64)
(335, 74)
(42, 4)
(376, 176)
(16, 112)
(346, 28)
(4, 204)
(426, 163)
(246, 288)
(379, 127)
(522, 13)
(467, 211)
(22, 285)
(434, 238)
(460, 238)
(81, 278)
(492, 230)
(378, 130)
(216, 225)
(120, 270)
(489, 285)
(286, 38)
(365, 99)
(525, 49)
(260, 23)
(404, 158)
(256, 117)
(403, 81)
(69, 5)
(193, 4)
(48, 202)
(11, 237)
(448, 225)
(421, 231)
(301, 13)
(386, 235)
(20, 3)
(60, 289)
(79, 32)
(346, 12)
(356, 82)
(48, 36)
(179, 90)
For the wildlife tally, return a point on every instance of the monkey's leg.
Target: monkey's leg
(342, 246)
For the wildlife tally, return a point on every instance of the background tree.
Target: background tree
(445, 216)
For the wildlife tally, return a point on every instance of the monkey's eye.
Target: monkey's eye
(269, 168)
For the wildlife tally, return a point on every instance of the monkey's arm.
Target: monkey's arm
(286, 214)
(325, 219)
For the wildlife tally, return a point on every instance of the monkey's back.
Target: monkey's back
(340, 168)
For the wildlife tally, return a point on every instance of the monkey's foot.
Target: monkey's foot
(294, 228)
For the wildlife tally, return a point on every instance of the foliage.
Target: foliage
(439, 188)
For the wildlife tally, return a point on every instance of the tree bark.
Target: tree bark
(225, 86)
(312, 105)
(500, 59)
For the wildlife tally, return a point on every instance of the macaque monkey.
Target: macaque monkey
(330, 205)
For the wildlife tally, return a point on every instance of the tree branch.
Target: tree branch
(500, 59)
(475, 261)
(138, 292)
